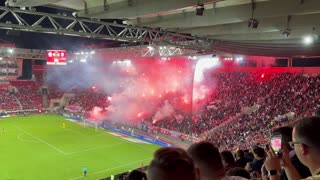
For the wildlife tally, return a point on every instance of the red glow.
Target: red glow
(145, 91)
(154, 121)
(93, 87)
(262, 75)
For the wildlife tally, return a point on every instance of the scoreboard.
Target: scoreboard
(56, 57)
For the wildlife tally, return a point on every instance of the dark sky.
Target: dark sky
(49, 41)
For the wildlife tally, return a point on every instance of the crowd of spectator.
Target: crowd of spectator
(28, 94)
(299, 95)
(3, 64)
(39, 77)
(55, 92)
(297, 158)
(8, 64)
(89, 99)
(228, 124)
(12, 64)
(8, 101)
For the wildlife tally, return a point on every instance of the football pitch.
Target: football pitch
(37, 147)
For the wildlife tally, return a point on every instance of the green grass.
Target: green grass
(38, 148)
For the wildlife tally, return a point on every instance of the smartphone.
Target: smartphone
(276, 145)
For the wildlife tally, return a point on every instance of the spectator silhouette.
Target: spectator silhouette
(228, 160)
(171, 164)
(286, 137)
(306, 143)
(208, 160)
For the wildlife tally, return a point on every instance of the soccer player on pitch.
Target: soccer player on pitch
(3, 131)
(85, 171)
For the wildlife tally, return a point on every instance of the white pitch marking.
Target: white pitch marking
(111, 168)
(43, 141)
(107, 146)
(23, 140)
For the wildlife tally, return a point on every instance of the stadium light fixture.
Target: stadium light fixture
(239, 60)
(315, 35)
(10, 50)
(253, 23)
(307, 40)
(200, 10)
(150, 48)
(286, 32)
(75, 14)
(165, 58)
(92, 52)
(193, 57)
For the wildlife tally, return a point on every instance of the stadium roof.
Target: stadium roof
(280, 31)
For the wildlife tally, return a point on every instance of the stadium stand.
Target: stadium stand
(39, 77)
(276, 94)
(28, 94)
(245, 108)
(8, 101)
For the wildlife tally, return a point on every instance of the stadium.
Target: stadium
(148, 89)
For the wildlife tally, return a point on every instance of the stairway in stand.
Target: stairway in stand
(18, 102)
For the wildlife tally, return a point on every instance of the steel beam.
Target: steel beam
(32, 21)
(119, 53)
(18, 53)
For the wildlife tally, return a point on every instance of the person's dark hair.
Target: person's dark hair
(240, 153)
(250, 154)
(227, 157)
(259, 151)
(206, 155)
(137, 175)
(307, 131)
(171, 163)
(286, 135)
(237, 171)
(317, 112)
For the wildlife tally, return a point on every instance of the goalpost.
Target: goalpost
(95, 124)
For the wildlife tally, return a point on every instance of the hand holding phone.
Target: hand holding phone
(276, 145)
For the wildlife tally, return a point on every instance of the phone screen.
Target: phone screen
(276, 143)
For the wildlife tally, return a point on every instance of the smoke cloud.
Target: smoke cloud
(137, 89)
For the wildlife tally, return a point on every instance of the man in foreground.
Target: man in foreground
(286, 138)
(171, 164)
(306, 143)
(207, 159)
